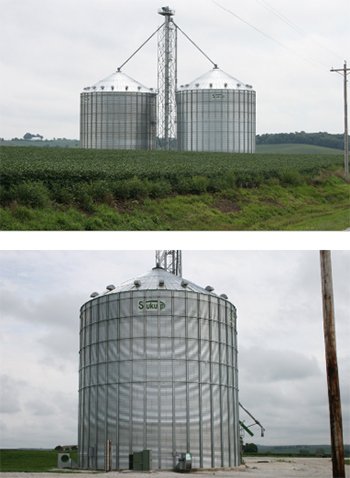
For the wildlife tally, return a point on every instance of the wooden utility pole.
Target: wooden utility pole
(335, 414)
(346, 136)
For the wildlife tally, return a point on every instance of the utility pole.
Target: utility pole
(346, 140)
(335, 414)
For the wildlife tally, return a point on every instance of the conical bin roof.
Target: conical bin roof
(216, 79)
(119, 82)
(160, 279)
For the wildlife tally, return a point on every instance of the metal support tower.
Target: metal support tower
(167, 79)
(170, 261)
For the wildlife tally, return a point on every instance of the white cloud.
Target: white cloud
(51, 50)
(282, 377)
(9, 390)
(277, 365)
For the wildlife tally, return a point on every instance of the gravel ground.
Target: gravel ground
(255, 468)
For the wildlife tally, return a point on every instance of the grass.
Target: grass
(30, 460)
(320, 205)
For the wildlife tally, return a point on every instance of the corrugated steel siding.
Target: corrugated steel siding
(115, 120)
(158, 371)
(220, 120)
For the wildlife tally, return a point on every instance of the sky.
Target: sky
(282, 377)
(51, 50)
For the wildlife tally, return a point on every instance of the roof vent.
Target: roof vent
(112, 87)
(126, 88)
(187, 85)
(224, 296)
(225, 85)
(102, 87)
(238, 84)
(211, 85)
(94, 294)
(184, 283)
(139, 88)
(209, 288)
(110, 287)
(197, 84)
(161, 282)
(137, 283)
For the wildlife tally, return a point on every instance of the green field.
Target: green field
(76, 189)
(30, 460)
(36, 461)
(296, 149)
(288, 148)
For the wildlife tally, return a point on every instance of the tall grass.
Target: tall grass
(30, 460)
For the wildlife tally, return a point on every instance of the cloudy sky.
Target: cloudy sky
(280, 329)
(51, 50)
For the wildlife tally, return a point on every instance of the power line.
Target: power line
(309, 60)
(292, 25)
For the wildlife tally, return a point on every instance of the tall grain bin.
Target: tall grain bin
(118, 113)
(158, 371)
(216, 112)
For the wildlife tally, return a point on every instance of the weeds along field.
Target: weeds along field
(34, 176)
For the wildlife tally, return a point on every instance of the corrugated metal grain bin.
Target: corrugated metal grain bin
(158, 371)
(216, 112)
(118, 113)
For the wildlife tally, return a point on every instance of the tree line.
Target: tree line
(324, 139)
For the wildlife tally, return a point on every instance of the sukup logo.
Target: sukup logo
(151, 305)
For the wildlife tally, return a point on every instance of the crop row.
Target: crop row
(71, 166)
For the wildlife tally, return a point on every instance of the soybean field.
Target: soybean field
(71, 166)
(78, 189)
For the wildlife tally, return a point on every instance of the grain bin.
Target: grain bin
(216, 112)
(118, 113)
(158, 372)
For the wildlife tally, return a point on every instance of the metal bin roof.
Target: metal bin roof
(216, 79)
(118, 82)
(159, 279)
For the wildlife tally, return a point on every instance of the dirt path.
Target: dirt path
(255, 468)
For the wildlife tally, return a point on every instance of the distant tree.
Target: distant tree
(250, 448)
(320, 139)
(319, 451)
(29, 136)
(304, 451)
(58, 447)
